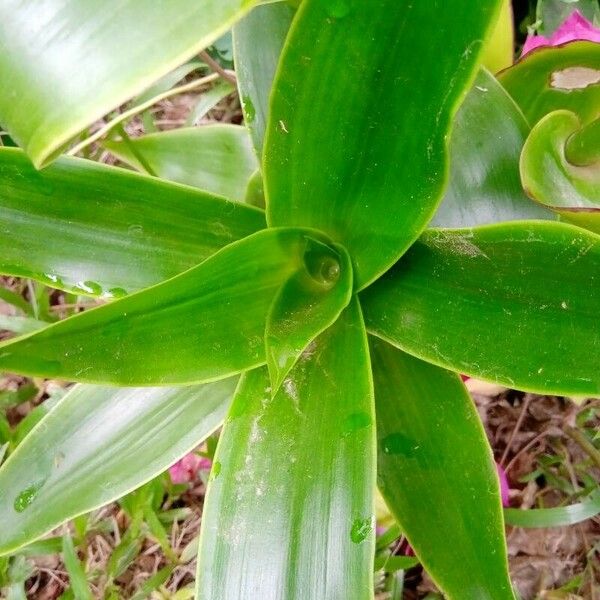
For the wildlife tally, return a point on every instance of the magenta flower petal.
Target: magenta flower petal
(575, 27)
(186, 469)
(504, 487)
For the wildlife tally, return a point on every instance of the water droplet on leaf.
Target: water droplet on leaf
(27, 496)
(361, 528)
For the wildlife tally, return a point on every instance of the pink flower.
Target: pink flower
(504, 487)
(186, 469)
(576, 27)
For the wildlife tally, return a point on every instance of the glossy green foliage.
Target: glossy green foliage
(96, 445)
(437, 475)
(180, 331)
(550, 79)
(215, 158)
(362, 172)
(487, 138)
(113, 232)
(307, 304)
(289, 512)
(549, 178)
(258, 40)
(65, 63)
(487, 301)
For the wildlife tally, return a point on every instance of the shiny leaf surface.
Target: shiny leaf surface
(486, 301)
(202, 325)
(548, 176)
(292, 485)
(80, 457)
(563, 77)
(437, 474)
(113, 232)
(307, 304)
(348, 172)
(257, 42)
(487, 138)
(69, 62)
(216, 158)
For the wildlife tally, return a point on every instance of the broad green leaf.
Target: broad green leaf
(66, 63)
(498, 53)
(549, 178)
(487, 138)
(361, 107)
(257, 42)
(555, 78)
(515, 304)
(101, 231)
(306, 305)
(289, 511)
(215, 158)
(202, 325)
(98, 444)
(437, 474)
(559, 516)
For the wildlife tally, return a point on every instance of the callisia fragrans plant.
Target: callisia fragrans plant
(392, 216)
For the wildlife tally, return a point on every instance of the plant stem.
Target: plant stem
(581, 439)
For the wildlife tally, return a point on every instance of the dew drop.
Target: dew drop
(361, 528)
(27, 496)
(338, 9)
(215, 471)
(354, 422)
(249, 110)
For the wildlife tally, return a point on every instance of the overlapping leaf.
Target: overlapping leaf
(356, 138)
(202, 325)
(98, 444)
(436, 472)
(550, 79)
(258, 40)
(513, 303)
(215, 158)
(289, 512)
(65, 63)
(549, 177)
(111, 232)
(487, 138)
